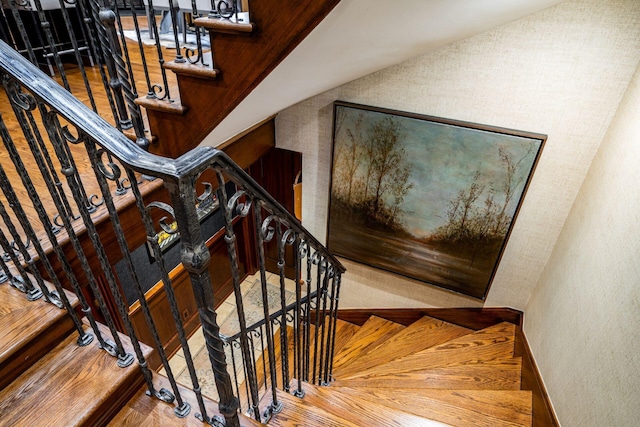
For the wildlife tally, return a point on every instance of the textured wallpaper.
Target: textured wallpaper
(582, 319)
(561, 72)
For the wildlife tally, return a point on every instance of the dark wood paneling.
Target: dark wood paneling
(221, 280)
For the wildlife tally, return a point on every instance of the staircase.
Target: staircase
(428, 373)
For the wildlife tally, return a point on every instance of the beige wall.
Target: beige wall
(561, 72)
(582, 320)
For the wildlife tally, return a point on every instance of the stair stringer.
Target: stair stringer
(243, 61)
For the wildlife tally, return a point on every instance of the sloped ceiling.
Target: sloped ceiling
(360, 37)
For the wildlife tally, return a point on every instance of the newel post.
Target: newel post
(196, 258)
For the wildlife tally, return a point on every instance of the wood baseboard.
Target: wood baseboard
(543, 414)
(472, 318)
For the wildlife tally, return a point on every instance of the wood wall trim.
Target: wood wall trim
(472, 318)
(543, 414)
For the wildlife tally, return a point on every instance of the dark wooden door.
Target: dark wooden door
(276, 173)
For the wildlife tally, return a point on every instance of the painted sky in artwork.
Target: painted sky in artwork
(444, 159)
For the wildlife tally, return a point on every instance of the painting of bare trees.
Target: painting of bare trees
(428, 198)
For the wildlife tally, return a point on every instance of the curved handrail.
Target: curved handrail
(129, 154)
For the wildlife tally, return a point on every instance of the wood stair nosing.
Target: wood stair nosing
(499, 374)
(200, 70)
(30, 329)
(296, 413)
(353, 407)
(143, 410)
(492, 343)
(85, 381)
(420, 335)
(372, 333)
(462, 408)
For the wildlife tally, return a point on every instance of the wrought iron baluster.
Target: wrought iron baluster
(330, 329)
(122, 80)
(165, 83)
(323, 315)
(24, 284)
(51, 42)
(60, 139)
(229, 206)
(11, 89)
(338, 279)
(196, 258)
(264, 357)
(264, 233)
(318, 262)
(286, 238)
(19, 246)
(307, 324)
(174, 24)
(76, 51)
(234, 367)
(23, 32)
(58, 297)
(116, 347)
(188, 52)
(152, 238)
(143, 55)
(92, 29)
(102, 173)
(299, 249)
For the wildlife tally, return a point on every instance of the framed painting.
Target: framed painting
(428, 198)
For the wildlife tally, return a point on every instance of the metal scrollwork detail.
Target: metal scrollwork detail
(242, 208)
(268, 230)
(168, 227)
(156, 89)
(289, 237)
(23, 100)
(110, 170)
(66, 133)
(303, 249)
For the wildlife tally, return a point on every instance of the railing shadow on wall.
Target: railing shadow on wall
(58, 149)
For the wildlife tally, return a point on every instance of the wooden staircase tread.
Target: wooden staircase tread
(29, 330)
(492, 343)
(372, 333)
(162, 105)
(85, 381)
(195, 70)
(462, 408)
(296, 413)
(142, 410)
(223, 25)
(497, 374)
(365, 412)
(344, 332)
(420, 335)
